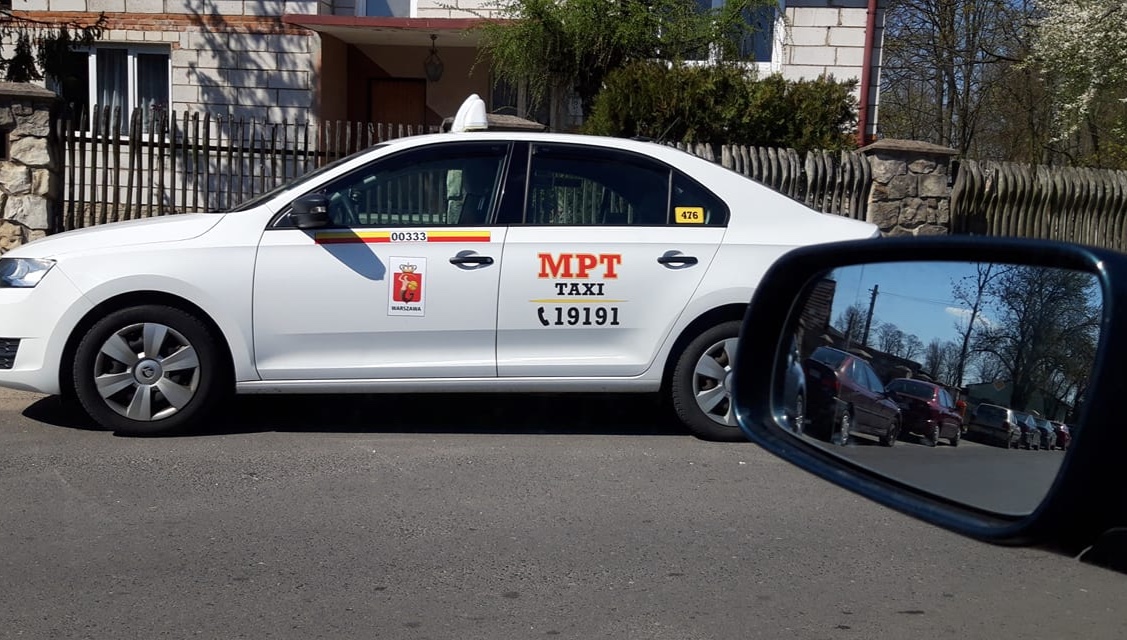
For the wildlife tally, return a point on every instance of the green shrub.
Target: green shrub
(724, 104)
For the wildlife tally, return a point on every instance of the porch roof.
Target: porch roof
(413, 32)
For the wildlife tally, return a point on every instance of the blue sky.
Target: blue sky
(915, 296)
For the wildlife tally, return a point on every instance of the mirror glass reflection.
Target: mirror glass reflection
(963, 379)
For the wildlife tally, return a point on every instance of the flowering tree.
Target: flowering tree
(1081, 46)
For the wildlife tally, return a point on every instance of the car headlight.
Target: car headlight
(23, 273)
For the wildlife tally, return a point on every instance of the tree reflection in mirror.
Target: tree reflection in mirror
(961, 379)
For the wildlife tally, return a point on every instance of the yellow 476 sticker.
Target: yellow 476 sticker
(689, 215)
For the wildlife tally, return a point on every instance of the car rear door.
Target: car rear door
(596, 267)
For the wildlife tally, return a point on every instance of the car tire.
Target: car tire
(699, 385)
(889, 439)
(844, 430)
(125, 388)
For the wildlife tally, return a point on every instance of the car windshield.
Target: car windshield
(293, 184)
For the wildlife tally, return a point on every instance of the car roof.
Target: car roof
(646, 147)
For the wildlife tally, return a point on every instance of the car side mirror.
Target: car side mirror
(973, 303)
(310, 211)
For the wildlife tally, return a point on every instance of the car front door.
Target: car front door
(403, 285)
(606, 252)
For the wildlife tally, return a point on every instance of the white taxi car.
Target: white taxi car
(466, 261)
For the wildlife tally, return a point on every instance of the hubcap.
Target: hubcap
(147, 371)
(712, 382)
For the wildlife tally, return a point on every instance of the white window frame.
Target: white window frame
(361, 9)
(778, 40)
(132, 50)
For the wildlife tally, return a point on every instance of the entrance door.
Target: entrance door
(397, 101)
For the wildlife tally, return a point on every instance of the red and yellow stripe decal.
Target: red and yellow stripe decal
(375, 237)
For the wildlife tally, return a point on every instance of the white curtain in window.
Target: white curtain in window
(113, 80)
(152, 83)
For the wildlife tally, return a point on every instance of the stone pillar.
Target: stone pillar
(911, 192)
(30, 163)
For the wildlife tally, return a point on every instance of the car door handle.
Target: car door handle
(685, 260)
(471, 260)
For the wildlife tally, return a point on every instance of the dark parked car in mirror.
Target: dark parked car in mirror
(1064, 433)
(1030, 437)
(927, 410)
(996, 424)
(845, 397)
(1048, 435)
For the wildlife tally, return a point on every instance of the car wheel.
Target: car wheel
(799, 414)
(889, 438)
(148, 370)
(701, 384)
(844, 429)
(933, 437)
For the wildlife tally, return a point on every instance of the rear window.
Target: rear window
(830, 357)
(989, 411)
(913, 388)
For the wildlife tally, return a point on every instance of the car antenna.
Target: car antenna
(661, 138)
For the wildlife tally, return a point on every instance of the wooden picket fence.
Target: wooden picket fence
(830, 182)
(174, 163)
(1086, 206)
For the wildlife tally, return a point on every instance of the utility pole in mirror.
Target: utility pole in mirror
(869, 317)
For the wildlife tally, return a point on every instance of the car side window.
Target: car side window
(693, 205)
(439, 185)
(571, 185)
(875, 384)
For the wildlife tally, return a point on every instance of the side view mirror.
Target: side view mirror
(1004, 323)
(310, 211)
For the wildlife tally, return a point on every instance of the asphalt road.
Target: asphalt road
(480, 517)
(1009, 481)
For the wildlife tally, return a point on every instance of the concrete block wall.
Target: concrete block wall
(228, 56)
(826, 37)
(457, 9)
(216, 7)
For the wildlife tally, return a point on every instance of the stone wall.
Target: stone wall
(911, 187)
(30, 178)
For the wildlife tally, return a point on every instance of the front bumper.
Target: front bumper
(34, 325)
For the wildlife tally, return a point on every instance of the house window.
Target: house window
(123, 77)
(385, 8)
(766, 34)
(131, 78)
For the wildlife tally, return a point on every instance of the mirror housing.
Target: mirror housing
(310, 211)
(1084, 509)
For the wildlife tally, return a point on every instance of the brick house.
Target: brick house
(366, 60)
